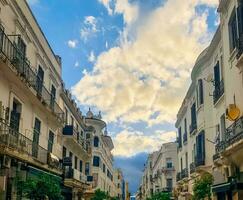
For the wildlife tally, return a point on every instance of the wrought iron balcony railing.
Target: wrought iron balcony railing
(200, 161)
(69, 130)
(192, 168)
(218, 91)
(184, 173)
(12, 141)
(233, 134)
(10, 51)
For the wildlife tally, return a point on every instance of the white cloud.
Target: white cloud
(129, 143)
(89, 27)
(72, 43)
(129, 10)
(91, 57)
(76, 64)
(106, 3)
(150, 74)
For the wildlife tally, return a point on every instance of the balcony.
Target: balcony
(167, 189)
(74, 139)
(10, 53)
(199, 161)
(218, 91)
(192, 168)
(193, 128)
(178, 176)
(233, 141)
(184, 173)
(75, 179)
(168, 169)
(184, 138)
(19, 146)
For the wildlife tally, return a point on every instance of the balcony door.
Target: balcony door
(15, 116)
(39, 81)
(200, 141)
(53, 96)
(36, 137)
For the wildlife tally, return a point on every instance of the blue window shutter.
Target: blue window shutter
(200, 85)
(217, 76)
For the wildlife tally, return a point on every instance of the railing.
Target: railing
(192, 168)
(218, 91)
(233, 134)
(178, 176)
(167, 189)
(184, 173)
(71, 173)
(10, 138)
(184, 138)
(21, 64)
(69, 130)
(165, 169)
(193, 127)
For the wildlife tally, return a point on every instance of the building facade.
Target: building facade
(212, 112)
(30, 116)
(118, 180)
(160, 171)
(102, 159)
(42, 131)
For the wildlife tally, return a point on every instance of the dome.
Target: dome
(89, 114)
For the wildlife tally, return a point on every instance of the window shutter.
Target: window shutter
(216, 76)
(200, 84)
(240, 28)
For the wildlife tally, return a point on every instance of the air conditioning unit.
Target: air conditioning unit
(6, 162)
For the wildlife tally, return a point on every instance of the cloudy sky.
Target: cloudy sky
(131, 59)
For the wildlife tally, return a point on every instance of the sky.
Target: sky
(131, 60)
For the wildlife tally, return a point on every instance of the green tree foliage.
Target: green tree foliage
(202, 187)
(100, 195)
(160, 196)
(40, 188)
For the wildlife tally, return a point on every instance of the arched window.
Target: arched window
(96, 141)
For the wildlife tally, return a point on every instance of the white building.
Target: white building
(102, 161)
(30, 85)
(118, 180)
(159, 172)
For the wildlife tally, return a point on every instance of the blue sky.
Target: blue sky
(131, 60)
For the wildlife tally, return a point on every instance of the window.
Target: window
(75, 162)
(21, 47)
(193, 119)
(36, 136)
(87, 169)
(15, 116)
(169, 163)
(66, 115)
(233, 30)
(39, 80)
(72, 121)
(179, 138)
(96, 141)
(50, 141)
(104, 168)
(96, 161)
(185, 125)
(169, 183)
(64, 152)
(71, 156)
(53, 96)
(181, 164)
(200, 92)
(1, 36)
(223, 127)
(200, 145)
(81, 166)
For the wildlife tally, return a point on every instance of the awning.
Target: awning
(32, 171)
(224, 187)
(221, 187)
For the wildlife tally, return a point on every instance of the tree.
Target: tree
(160, 196)
(40, 188)
(202, 187)
(100, 195)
